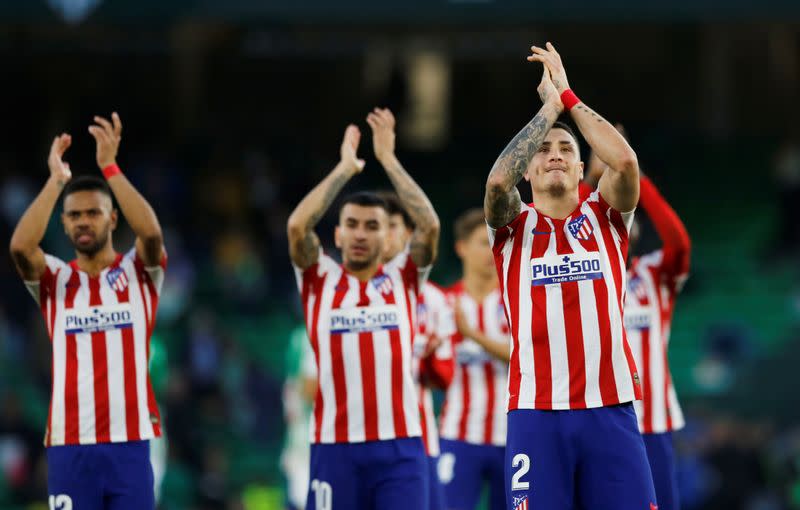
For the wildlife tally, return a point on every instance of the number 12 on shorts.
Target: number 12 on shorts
(522, 464)
(323, 495)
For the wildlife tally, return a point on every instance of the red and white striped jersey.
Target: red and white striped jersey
(100, 330)
(563, 285)
(475, 405)
(654, 281)
(434, 320)
(362, 335)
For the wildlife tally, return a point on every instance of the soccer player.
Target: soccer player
(654, 282)
(573, 439)
(100, 311)
(433, 351)
(474, 415)
(360, 315)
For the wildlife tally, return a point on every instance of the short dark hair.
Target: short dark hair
(467, 222)
(87, 183)
(395, 206)
(566, 127)
(364, 199)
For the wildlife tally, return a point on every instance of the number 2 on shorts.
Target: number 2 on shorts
(524, 463)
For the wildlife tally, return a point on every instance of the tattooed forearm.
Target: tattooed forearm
(303, 243)
(591, 112)
(426, 234)
(502, 202)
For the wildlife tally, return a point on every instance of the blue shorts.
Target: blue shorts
(464, 468)
(662, 463)
(577, 459)
(106, 476)
(385, 475)
(435, 489)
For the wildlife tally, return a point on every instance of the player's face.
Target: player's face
(397, 237)
(89, 218)
(361, 235)
(476, 253)
(556, 167)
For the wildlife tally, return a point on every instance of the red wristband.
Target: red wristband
(569, 99)
(111, 170)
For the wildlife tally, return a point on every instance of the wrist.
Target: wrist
(386, 158)
(569, 99)
(348, 168)
(110, 169)
(556, 106)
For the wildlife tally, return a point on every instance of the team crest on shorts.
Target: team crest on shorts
(521, 503)
(581, 228)
(117, 279)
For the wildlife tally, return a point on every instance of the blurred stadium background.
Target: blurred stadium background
(234, 109)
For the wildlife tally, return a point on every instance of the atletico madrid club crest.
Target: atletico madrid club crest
(383, 284)
(117, 279)
(521, 503)
(581, 228)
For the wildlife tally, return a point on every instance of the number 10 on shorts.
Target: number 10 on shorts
(522, 464)
(323, 495)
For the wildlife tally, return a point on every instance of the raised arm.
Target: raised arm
(425, 239)
(26, 253)
(136, 210)
(620, 185)
(502, 203)
(675, 241)
(303, 242)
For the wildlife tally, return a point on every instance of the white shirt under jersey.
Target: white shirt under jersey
(100, 330)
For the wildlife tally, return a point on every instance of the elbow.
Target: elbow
(496, 185)
(628, 162)
(295, 229)
(153, 240)
(18, 248)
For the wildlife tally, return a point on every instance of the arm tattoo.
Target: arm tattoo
(425, 238)
(502, 201)
(586, 109)
(306, 250)
(329, 195)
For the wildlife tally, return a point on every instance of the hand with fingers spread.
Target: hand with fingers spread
(382, 122)
(552, 60)
(107, 136)
(349, 149)
(59, 169)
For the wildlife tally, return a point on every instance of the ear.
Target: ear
(336, 237)
(64, 223)
(581, 168)
(527, 175)
(460, 248)
(114, 219)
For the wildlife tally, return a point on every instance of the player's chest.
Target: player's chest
(99, 304)
(565, 251)
(374, 306)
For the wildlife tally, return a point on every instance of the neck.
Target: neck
(93, 264)
(556, 206)
(478, 286)
(364, 274)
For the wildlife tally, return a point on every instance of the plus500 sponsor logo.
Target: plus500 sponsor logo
(469, 352)
(365, 319)
(101, 318)
(565, 268)
(637, 317)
